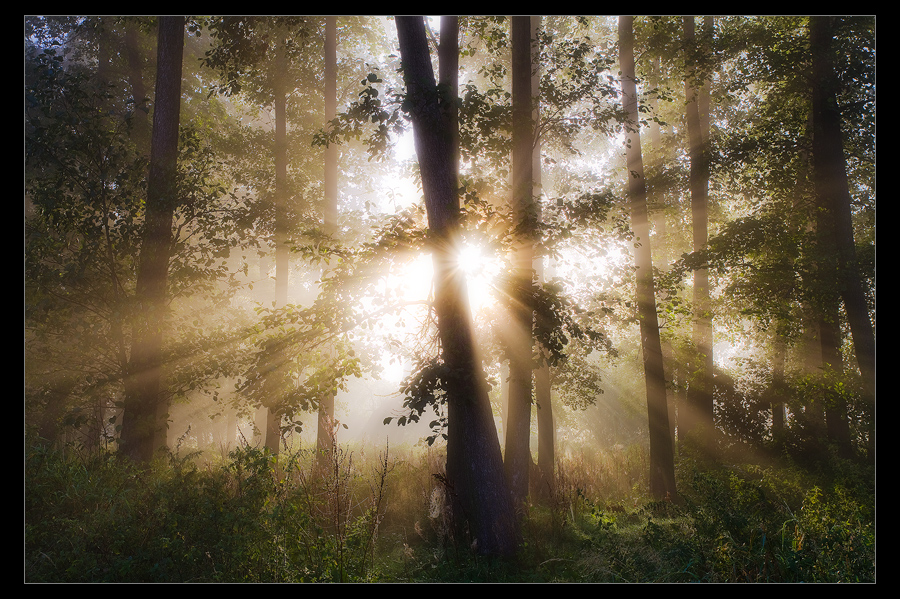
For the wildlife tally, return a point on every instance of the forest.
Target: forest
(491, 299)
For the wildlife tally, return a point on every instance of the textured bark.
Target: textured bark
(476, 482)
(144, 421)
(662, 463)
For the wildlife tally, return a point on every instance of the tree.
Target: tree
(662, 461)
(144, 422)
(542, 374)
(136, 80)
(834, 201)
(699, 419)
(517, 458)
(325, 431)
(476, 482)
(259, 57)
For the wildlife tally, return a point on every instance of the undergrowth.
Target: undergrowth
(379, 517)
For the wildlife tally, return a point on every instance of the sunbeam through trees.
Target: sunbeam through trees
(456, 298)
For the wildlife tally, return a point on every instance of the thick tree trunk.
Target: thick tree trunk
(144, 422)
(832, 189)
(517, 458)
(476, 482)
(662, 461)
(699, 423)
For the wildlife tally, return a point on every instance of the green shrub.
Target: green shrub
(103, 520)
(256, 518)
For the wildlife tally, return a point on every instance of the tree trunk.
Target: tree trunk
(543, 383)
(144, 422)
(662, 461)
(699, 423)
(814, 410)
(140, 126)
(660, 252)
(273, 414)
(833, 193)
(776, 401)
(325, 437)
(476, 483)
(517, 458)
(835, 406)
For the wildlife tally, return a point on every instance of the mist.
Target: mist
(468, 288)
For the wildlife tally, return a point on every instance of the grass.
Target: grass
(377, 516)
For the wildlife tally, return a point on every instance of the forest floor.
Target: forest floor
(377, 516)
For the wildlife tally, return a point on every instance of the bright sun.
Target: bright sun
(411, 283)
(413, 280)
(480, 272)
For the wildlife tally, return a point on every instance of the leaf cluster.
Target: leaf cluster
(243, 47)
(368, 115)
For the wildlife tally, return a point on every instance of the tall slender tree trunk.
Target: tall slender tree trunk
(517, 458)
(325, 436)
(92, 431)
(660, 251)
(282, 267)
(833, 192)
(700, 396)
(140, 134)
(662, 460)
(777, 399)
(140, 128)
(480, 497)
(814, 410)
(543, 383)
(834, 404)
(144, 421)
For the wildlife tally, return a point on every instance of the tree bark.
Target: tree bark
(325, 436)
(699, 423)
(517, 458)
(833, 192)
(279, 89)
(144, 421)
(543, 382)
(662, 462)
(476, 482)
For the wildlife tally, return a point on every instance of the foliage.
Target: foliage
(298, 356)
(243, 49)
(255, 518)
(250, 519)
(359, 118)
(799, 514)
